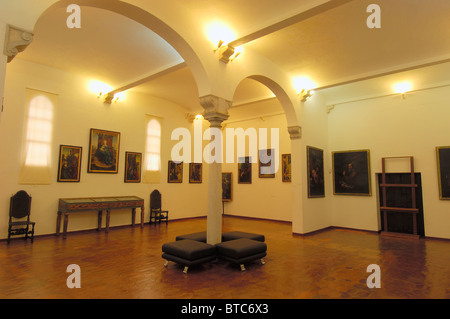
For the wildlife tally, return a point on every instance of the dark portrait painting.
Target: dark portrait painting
(195, 172)
(226, 187)
(443, 164)
(175, 172)
(316, 184)
(351, 171)
(103, 151)
(133, 163)
(286, 175)
(244, 170)
(69, 163)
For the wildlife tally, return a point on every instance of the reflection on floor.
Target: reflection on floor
(126, 263)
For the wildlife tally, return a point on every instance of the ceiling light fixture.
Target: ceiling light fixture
(227, 53)
(304, 86)
(305, 94)
(220, 33)
(402, 88)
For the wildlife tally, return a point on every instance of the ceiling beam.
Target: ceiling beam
(388, 71)
(304, 15)
(148, 77)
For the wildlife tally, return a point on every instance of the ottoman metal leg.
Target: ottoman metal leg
(242, 267)
(262, 261)
(166, 263)
(185, 269)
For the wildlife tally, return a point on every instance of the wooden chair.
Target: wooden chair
(19, 216)
(156, 214)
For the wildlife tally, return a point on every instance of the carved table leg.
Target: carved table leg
(66, 223)
(133, 216)
(58, 223)
(108, 215)
(99, 217)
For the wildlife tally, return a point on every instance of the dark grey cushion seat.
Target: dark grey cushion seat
(242, 250)
(200, 236)
(239, 234)
(188, 252)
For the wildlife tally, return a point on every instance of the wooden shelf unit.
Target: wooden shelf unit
(412, 210)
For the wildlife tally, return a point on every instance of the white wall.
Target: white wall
(392, 126)
(316, 211)
(267, 198)
(77, 112)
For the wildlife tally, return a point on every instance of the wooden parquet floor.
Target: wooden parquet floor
(126, 263)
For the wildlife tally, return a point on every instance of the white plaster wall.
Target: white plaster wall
(77, 111)
(392, 126)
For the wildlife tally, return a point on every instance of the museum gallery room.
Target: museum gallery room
(225, 150)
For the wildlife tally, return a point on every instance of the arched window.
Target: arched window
(153, 149)
(39, 132)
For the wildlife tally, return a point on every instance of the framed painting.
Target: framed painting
(69, 163)
(266, 163)
(103, 151)
(226, 187)
(286, 168)
(133, 164)
(175, 172)
(195, 172)
(351, 170)
(443, 165)
(316, 184)
(244, 170)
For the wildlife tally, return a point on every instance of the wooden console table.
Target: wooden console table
(73, 205)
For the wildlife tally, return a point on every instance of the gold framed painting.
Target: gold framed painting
(443, 165)
(195, 173)
(244, 170)
(69, 163)
(351, 171)
(316, 182)
(103, 151)
(227, 193)
(266, 163)
(133, 164)
(175, 172)
(286, 175)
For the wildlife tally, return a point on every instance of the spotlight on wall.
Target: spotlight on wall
(402, 88)
(304, 85)
(305, 94)
(219, 45)
(227, 53)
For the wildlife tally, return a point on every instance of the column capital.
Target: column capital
(216, 109)
(16, 41)
(295, 132)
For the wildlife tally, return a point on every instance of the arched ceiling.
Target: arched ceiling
(331, 46)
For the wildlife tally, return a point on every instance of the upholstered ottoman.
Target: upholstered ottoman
(188, 252)
(200, 236)
(242, 250)
(238, 234)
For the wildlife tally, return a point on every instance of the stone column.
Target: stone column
(216, 111)
(295, 133)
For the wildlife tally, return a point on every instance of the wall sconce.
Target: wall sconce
(226, 52)
(402, 88)
(113, 97)
(305, 94)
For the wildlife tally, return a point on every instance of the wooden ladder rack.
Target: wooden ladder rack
(413, 210)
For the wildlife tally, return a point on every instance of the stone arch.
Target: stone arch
(282, 96)
(158, 26)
